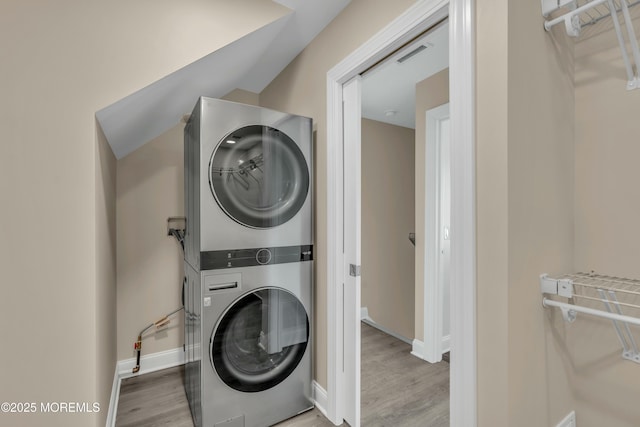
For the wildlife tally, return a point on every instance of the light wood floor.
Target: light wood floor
(397, 390)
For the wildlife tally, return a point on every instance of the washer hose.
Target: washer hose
(160, 323)
(178, 233)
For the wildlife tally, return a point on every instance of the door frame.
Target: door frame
(433, 298)
(419, 17)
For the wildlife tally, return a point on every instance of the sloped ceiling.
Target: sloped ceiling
(250, 63)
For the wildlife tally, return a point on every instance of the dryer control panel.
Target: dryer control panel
(215, 260)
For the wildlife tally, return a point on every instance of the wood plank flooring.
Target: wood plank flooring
(155, 399)
(397, 390)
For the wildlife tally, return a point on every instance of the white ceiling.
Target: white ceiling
(391, 86)
(249, 63)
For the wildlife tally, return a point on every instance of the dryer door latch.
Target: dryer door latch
(354, 270)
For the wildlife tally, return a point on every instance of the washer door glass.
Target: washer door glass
(259, 176)
(260, 340)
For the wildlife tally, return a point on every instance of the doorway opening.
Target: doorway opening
(344, 209)
(405, 185)
(405, 188)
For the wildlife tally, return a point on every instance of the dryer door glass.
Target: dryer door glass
(260, 340)
(259, 176)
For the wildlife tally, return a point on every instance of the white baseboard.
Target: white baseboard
(568, 421)
(113, 401)
(417, 349)
(151, 362)
(364, 316)
(446, 344)
(320, 398)
(148, 363)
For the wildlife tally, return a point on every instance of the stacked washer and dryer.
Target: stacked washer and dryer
(248, 264)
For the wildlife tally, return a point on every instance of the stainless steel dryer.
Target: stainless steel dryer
(249, 356)
(249, 179)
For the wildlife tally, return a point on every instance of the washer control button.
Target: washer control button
(263, 256)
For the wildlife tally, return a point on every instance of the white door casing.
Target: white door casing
(352, 249)
(463, 396)
(418, 18)
(437, 224)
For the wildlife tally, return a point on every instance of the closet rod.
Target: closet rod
(546, 302)
(572, 15)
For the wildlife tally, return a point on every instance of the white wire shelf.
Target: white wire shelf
(596, 14)
(613, 298)
(580, 13)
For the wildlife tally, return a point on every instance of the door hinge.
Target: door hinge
(354, 270)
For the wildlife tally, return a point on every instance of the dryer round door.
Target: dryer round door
(260, 340)
(258, 176)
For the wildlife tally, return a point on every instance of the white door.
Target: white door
(445, 227)
(352, 258)
(437, 234)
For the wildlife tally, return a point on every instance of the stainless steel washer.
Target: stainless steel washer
(249, 362)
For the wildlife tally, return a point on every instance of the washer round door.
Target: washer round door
(259, 176)
(260, 340)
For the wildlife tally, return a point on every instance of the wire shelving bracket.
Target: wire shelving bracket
(581, 13)
(613, 294)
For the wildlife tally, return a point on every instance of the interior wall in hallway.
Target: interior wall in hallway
(388, 216)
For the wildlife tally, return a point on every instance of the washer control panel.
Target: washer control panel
(213, 260)
(263, 256)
